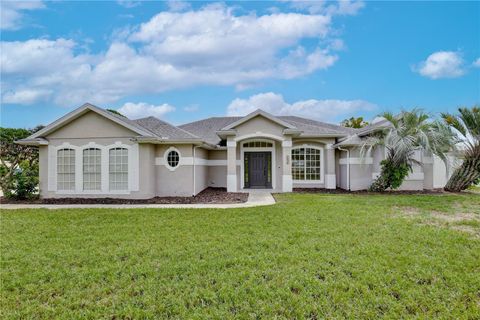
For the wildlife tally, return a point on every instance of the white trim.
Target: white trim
(188, 161)
(364, 161)
(255, 113)
(133, 168)
(330, 181)
(264, 149)
(79, 112)
(287, 144)
(165, 159)
(232, 183)
(258, 136)
(231, 143)
(329, 146)
(287, 183)
(322, 164)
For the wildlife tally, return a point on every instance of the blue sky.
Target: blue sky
(182, 61)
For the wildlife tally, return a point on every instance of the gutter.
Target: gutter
(348, 166)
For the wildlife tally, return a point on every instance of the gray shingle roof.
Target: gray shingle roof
(207, 128)
(163, 129)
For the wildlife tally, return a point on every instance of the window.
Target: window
(306, 164)
(173, 158)
(118, 169)
(92, 176)
(257, 144)
(66, 169)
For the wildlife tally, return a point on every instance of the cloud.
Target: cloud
(191, 108)
(140, 110)
(442, 64)
(11, 13)
(326, 110)
(173, 50)
(340, 7)
(26, 96)
(177, 5)
(476, 63)
(128, 4)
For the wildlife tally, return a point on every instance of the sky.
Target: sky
(183, 61)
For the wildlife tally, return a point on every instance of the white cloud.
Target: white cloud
(128, 4)
(326, 110)
(26, 96)
(209, 46)
(442, 64)
(340, 7)
(178, 5)
(11, 13)
(191, 108)
(140, 110)
(476, 63)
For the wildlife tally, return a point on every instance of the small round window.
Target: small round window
(173, 159)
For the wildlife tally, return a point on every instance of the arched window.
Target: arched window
(257, 144)
(66, 169)
(306, 164)
(118, 169)
(92, 169)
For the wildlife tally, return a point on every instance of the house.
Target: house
(91, 152)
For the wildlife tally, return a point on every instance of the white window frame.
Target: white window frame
(255, 149)
(322, 164)
(133, 168)
(120, 172)
(165, 158)
(94, 173)
(74, 169)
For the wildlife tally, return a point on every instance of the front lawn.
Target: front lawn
(310, 256)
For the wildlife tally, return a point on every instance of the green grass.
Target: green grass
(310, 256)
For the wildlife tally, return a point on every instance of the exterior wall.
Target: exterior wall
(177, 182)
(201, 170)
(328, 163)
(140, 168)
(217, 169)
(259, 127)
(92, 126)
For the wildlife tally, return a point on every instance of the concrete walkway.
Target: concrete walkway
(255, 199)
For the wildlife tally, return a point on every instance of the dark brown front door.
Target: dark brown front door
(258, 169)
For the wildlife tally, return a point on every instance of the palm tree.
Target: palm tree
(356, 123)
(467, 125)
(407, 132)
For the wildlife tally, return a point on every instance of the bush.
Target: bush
(392, 176)
(23, 183)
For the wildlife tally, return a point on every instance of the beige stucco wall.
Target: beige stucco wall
(91, 125)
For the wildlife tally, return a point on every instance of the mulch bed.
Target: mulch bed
(365, 192)
(209, 195)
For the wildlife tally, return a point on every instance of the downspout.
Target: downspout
(348, 166)
(194, 156)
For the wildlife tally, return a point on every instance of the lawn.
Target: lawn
(310, 256)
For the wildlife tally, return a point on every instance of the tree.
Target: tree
(407, 132)
(356, 123)
(115, 112)
(18, 164)
(467, 126)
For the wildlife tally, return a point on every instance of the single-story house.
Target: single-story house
(91, 152)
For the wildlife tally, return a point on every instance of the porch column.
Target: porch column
(231, 165)
(330, 177)
(287, 166)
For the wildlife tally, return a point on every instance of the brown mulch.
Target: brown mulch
(209, 195)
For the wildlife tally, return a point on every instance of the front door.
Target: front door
(258, 170)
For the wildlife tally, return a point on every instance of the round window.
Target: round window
(173, 158)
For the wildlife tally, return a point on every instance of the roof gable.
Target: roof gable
(75, 114)
(257, 113)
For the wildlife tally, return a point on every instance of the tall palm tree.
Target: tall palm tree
(467, 125)
(407, 132)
